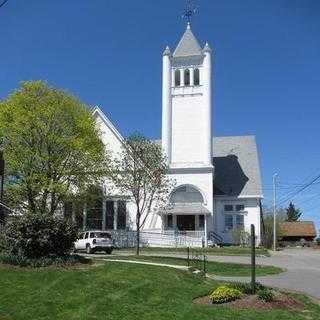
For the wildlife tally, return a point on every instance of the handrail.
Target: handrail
(215, 236)
(9, 209)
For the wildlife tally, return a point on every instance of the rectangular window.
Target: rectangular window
(201, 222)
(228, 222)
(122, 215)
(239, 207)
(86, 236)
(228, 207)
(68, 208)
(169, 221)
(239, 221)
(109, 214)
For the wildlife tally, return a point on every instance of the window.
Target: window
(196, 78)
(201, 222)
(109, 214)
(239, 207)
(100, 235)
(187, 77)
(186, 194)
(86, 236)
(169, 221)
(239, 221)
(177, 80)
(228, 221)
(122, 215)
(228, 207)
(68, 207)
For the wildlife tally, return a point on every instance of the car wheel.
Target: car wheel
(88, 249)
(108, 251)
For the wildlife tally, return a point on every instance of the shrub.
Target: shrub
(245, 287)
(266, 295)
(240, 237)
(57, 261)
(224, 294)
(318, 241)
(35, 236)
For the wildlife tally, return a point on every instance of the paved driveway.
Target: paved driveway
(302, 269)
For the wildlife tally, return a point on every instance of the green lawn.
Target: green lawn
(218, 268)
(223, 251)
(118, 291)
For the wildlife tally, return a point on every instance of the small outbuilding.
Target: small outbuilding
(297, 231)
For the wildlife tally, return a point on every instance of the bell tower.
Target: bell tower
(186, 104)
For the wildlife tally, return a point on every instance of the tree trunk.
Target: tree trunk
(138, 242)
(138, 233)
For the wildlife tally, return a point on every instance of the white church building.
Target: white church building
(217, 179)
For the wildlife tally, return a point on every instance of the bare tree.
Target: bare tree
(140, 171)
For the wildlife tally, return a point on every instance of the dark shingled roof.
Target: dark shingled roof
(237, 169)
(298, 229)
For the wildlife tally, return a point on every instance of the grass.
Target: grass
(223, 251)
(217, 268)
(119, 291)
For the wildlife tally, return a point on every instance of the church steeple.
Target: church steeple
(188, 46)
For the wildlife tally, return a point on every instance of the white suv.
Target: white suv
(92, 241)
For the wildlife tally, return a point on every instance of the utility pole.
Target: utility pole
(274, 211)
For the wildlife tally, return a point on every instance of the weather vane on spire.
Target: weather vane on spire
(190, 11)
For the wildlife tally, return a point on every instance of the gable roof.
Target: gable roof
(188, 46)
(97, 112)
(237, 170)
(298, 229)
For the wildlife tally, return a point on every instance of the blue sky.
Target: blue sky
(108, 53)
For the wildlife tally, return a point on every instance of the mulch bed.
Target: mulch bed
(281, 301)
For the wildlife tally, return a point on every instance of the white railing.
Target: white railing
(167, 238)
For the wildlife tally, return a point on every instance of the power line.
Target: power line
(294, 194)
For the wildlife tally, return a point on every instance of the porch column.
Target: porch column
(85, 213)
(104, 214)
(174, 222)
(205, 231)
(115, 215)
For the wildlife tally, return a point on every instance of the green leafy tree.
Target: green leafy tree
(140, 172)
(52, 148)
(293, 213)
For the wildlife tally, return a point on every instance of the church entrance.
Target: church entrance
(186, 222)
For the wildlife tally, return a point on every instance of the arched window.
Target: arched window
(187, 77)
(186, 194)
(177, 80)
(196, 78)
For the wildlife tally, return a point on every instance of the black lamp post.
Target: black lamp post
(2, 166)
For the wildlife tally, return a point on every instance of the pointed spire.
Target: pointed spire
(167, 51)
(206, 48)
(188, 45)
